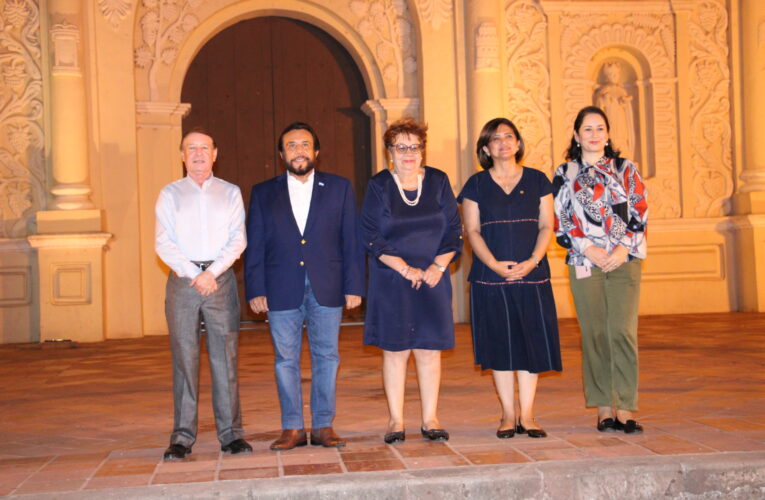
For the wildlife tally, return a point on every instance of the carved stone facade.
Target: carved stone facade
(121, 65)
(709, 82)
(528, 80)
(22, 167)
(643, 42)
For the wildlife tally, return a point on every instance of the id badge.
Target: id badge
(583, 272)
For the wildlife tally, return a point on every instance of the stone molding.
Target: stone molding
(487, 47)
(66, 39)
(75, 240)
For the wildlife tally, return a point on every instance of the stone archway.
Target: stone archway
(165, 51)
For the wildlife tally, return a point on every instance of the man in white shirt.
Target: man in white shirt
(199, 234)
(303, 263)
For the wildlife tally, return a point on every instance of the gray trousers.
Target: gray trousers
(220, 311)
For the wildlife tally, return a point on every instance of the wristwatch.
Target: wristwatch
(439, 267)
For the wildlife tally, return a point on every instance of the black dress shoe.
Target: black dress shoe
(435, 434)
(506, 433)
(629, 427)
(395, 437)
(176, 452)
(532, 433)
(237, 446)
(607, 424)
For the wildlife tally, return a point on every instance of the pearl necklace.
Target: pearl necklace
(409, 202)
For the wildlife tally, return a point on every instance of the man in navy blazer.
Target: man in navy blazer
(303, 263)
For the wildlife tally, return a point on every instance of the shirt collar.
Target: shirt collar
(292, 181)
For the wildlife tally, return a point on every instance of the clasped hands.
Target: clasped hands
(607, 262)
(512, 270)
(430, 276)
(204, 283)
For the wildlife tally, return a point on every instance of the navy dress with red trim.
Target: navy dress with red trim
(514, 324)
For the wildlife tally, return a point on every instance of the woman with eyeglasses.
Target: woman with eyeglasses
(412, 231)
(508, 212)
(601, 214)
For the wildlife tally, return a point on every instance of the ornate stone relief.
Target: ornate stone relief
(709, 79)
(164, 25)
(435, 12)
(386, 26)
(486, 47)
(65, 38)
(649, 38)
(528, 78)
(22, 168)
(115, 10)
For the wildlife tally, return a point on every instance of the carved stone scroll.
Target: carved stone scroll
(709, 78)
(22, 168)
(528, 92)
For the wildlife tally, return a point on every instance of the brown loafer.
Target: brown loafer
(326, 437)
(289, 439)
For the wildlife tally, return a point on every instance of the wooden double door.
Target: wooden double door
(256, 77)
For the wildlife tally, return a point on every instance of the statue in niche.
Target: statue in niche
(616, 102)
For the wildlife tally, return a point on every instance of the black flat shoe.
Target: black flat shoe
(629, 427)
(176, 452)
(237, 446)
(395, 437)
(435, 434)
(532, 433)
(506, 433)
(606, 425)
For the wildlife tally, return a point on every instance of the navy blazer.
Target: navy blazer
(278, 257)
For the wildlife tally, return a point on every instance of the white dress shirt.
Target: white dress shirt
(200, 223)
(300, 198)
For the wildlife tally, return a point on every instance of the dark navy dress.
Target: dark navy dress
(399, 317)
(515, 326)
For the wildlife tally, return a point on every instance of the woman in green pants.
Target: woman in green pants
(601, 212)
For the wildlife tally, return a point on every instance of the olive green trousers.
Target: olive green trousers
(607, 310)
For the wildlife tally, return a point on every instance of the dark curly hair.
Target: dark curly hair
(485, 137)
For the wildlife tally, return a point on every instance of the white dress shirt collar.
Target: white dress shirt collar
(300, 198)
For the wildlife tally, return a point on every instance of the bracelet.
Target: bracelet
(404, 271)
(536, 261)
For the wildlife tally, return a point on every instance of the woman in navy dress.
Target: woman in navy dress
(508, 212)
(412, 232)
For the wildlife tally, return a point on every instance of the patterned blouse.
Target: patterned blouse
(601, 204)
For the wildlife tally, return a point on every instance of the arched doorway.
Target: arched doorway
(256, 77)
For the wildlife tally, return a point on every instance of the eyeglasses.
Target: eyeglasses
(411, 148)
(295, 146)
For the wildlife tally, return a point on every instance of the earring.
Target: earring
(577, 144)
(608, 142)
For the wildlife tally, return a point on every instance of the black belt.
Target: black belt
(202, 264)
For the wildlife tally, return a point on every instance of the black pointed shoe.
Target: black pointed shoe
(532, 433)
(506, 433)
(176, 452)
(395, 437)
(629, 427)
(435, 434)
(606, 425)
(237, 446)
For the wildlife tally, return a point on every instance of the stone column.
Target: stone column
(159, 163)
(68, 105)
(485, 96)
(749, 201)
(69, 240)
